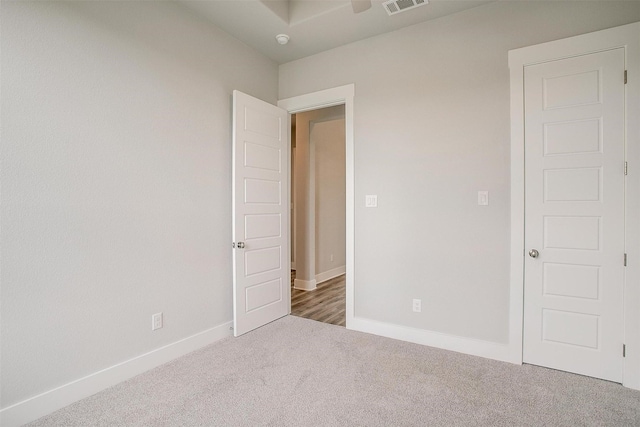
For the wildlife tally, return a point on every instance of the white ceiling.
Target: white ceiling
(313, 25)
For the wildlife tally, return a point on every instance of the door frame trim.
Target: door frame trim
(329, 98)
(627, 37)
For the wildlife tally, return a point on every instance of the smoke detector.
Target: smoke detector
(394, 7)
(282, 38)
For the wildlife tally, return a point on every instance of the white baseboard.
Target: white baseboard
(310, 285)
(335, 272)
(304, 285)
(474, 347)
(52, 400)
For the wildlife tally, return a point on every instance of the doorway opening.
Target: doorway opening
(318, 215)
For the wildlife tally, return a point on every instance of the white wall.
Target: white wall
(328, 140)
(431, 129)
(116, 182)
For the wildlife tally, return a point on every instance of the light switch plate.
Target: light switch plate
(483, 198)
(371, 201)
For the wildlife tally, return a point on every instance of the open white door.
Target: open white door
(261, 271)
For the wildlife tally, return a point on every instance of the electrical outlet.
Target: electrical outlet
(331, 256)
(156, 321)
(417, 305)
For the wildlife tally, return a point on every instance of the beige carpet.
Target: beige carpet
(298, 372)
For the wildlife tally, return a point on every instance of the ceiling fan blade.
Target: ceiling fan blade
(360, 5)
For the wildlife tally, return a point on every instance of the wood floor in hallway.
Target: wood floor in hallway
(325, 304)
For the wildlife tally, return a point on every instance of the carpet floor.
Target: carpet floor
(298, 372)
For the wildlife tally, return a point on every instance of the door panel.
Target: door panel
(260, 202)
(574, 214)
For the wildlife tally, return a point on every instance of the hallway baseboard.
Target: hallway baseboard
(330, 274)
(305, 285)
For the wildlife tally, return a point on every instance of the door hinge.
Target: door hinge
(626, 168)
(625, 76)
(624, 350)
(625, 260)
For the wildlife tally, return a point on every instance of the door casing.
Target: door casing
(328, 98)
(627, 37)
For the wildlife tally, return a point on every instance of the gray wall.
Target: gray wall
(432, 129)
(116, 182)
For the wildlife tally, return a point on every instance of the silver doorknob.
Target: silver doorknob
(240, 245)
(534, 253)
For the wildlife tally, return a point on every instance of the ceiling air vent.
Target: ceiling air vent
(396, 6)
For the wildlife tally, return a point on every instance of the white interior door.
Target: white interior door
(261, 272)
(574, 214)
